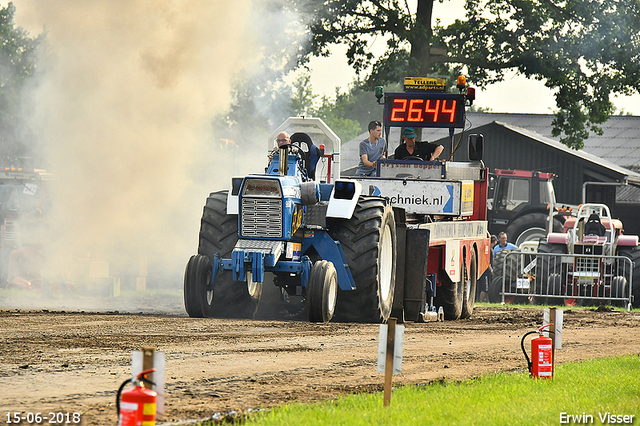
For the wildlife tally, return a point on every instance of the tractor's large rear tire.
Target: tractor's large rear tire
(549, 275)
(218, 235)
(470, 279)
(633, 253)
(368, 241)
(531, 227)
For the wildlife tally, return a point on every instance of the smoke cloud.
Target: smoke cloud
(123, 118)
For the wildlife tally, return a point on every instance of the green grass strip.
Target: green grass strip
(586, 390)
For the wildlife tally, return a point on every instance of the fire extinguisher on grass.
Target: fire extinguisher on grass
(541, 362)
(137, 407)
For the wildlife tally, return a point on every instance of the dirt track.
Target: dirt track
(74, 362)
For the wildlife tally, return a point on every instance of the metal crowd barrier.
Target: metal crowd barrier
(552, 278)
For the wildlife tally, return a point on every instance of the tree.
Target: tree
(302, 98)
(584, 50)
(257, 108)
(18, 57)
(305, 103)
(334, 114)
(261, 102)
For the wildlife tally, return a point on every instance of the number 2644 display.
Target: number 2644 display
(425, 109)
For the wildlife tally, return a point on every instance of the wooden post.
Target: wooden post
(147, 364)
(388, 366)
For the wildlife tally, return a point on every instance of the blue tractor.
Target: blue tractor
(326, 244)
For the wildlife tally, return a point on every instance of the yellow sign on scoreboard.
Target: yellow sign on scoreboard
(425, 84)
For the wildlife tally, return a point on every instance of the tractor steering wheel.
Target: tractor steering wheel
(413, 157)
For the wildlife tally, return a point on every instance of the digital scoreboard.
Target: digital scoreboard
(424, 109)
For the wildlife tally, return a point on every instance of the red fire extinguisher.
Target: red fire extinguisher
(137, 407)
(541, 362)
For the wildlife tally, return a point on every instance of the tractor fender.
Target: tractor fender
(628, 240)
(344, 198)
(558, 238)
(232, 196)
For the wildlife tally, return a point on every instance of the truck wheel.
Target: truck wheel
(531, 227)
(451, 295)
(633, 253)
(470, 287)
(368, 241)
(548, 272)
(218, 235)
(322, 291)
(197, 276)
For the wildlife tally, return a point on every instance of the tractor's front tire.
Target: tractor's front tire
(218, 235)
(197, 276)
(619, 288)
(368, 241)
(322, 291)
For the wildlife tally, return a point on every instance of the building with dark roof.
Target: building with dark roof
(619, 143)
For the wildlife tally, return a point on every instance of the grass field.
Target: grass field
(601, 391)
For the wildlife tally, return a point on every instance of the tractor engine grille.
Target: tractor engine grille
(261, 217)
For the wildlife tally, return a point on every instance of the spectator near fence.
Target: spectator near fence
(503, 243)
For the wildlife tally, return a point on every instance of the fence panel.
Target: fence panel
(542, 278)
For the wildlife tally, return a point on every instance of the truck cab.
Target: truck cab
(518, 204)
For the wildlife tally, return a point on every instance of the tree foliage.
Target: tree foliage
(18, 57)
(584, 50)
(334, 113)
(257, 109)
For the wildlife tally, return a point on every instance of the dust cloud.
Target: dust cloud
(123, 115)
